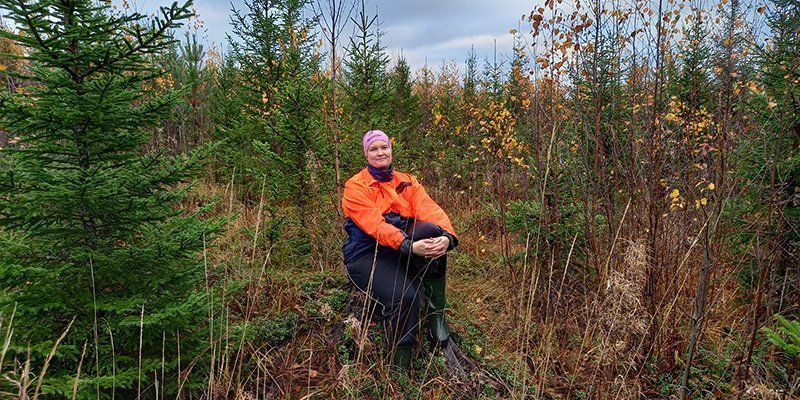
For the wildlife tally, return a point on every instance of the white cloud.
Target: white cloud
(436, 30)
(446, 30)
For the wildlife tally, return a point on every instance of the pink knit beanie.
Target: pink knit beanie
(372, 136)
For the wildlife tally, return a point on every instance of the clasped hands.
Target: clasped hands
(431, 247)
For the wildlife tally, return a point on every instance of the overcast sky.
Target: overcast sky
(439, 30)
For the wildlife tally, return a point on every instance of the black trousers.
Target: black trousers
(394, 281)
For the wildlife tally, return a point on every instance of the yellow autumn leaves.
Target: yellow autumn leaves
(677, 200)
(497, 126)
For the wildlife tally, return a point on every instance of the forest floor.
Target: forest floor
(294, 327)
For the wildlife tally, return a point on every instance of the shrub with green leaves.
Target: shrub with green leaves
(278, 329)
(787, 336)
(89, 227)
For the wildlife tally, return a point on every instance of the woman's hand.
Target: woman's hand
(431, 247)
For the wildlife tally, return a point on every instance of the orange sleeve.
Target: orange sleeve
(425, 209)
(358, 207)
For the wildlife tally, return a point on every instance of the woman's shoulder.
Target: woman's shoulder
(358, 177)
(401, 177)
(405, 177)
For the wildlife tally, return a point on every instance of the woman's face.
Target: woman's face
(379, 154)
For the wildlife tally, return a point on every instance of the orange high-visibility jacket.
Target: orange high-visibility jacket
(366, 201)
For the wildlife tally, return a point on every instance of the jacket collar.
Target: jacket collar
(380, 174)
(370, 180)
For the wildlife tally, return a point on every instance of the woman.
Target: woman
(398, 236)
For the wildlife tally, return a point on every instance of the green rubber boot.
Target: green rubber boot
(402, 357)
(437, 302)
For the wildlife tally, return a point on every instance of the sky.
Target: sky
(432, 31)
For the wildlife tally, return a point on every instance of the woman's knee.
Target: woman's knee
(423, 230)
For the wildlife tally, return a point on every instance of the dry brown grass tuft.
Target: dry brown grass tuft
(624, 319)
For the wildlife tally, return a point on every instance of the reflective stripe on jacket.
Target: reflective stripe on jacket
(379, 210)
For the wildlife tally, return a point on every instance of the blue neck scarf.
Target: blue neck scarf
(381, 175)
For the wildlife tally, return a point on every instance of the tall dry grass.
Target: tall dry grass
(557, 333)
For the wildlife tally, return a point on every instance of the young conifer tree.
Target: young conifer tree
(89, 228)
(293, 143)
(365, 79)
(403, 103)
